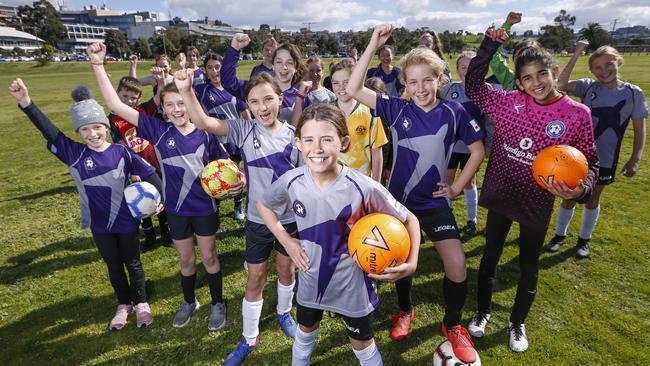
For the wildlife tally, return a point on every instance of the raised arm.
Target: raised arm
(498, 63)
(133, 70)
(229, 79)
(563, 81)
(183, 80)
(303, 89)
(18, 90)
(479, 92)
(355, 84)
(96, 52)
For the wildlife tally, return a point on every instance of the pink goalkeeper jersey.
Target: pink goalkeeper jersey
(522, 129)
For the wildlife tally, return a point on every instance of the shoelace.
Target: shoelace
(463, 336)
(480, 318)
(517, 329)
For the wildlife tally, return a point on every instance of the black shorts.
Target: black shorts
(606, 176)
(183, 227)
(260, 241)
(457, 160)
(357, 328)
(438, 223)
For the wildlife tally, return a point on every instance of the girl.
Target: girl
(433, 42)
(200, 76)
(98, 167)
(388, 73)
(455, 91)
(613, 103)
(183, 151)
(268, 151)
(317, 93)
(423, 131)
(327, 198)
(218, 103)
(286, 62)
(526, 121)
(162, 61)
(267, 52)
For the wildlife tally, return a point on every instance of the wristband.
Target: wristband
(97, 63)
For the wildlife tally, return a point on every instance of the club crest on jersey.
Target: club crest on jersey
(89, 164)
(256, 143)
(406, 123)
(454, 95)
(526, 143)
(171, 143)
(593, 95)
(555, 129)
(361, 130)
(299, 208)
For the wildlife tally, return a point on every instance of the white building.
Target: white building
(80, 36)
(11, 38)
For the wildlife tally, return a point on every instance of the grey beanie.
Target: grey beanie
(85, 110)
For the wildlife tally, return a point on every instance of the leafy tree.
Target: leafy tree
(116, 43)
(17, 51)
(595, 34)
(451, 42)
(46, 54)
(560, 35)
(141, 48)
(43, 21)
(162, 44)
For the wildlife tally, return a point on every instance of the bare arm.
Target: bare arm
(133, 70)
(355, 85)
(96, 52)
(300, 98)
(183, 80)
(407, 268)
(377, 158)
(476, 154)
(630, 168)
(563, 81)
(290, 244)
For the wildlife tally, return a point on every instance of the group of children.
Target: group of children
(314, 165)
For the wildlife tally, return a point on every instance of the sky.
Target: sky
(334, 15)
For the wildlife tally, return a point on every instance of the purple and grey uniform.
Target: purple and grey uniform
(391, 80)
(324, 218)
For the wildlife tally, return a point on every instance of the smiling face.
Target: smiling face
(605, 69)
(267, 51)
(284, 67)
(213, 69)
(340, 80)
(538, 81)
(93, 135)
(321, 145)
(192, 61)
(386, 57)
(265, 104)
(174, 108)
(315, 72)
(463, 64)
(164, 64)
(422, 85)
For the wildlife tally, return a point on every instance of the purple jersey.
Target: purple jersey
(200, 77)
(324, 219)
(391, 80)
(100, 178)
(182, 158)
(219, 103)
(262, 68)
(522, 129)
(422, 145)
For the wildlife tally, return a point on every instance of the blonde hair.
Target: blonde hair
(421, 56)
(606, 50)
(465, 54)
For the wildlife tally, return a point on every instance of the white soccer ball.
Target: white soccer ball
(444, 356)
(142, 199)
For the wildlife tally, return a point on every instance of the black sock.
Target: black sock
(403, 288)
(215, 282)
(454, 294)
(187, 283)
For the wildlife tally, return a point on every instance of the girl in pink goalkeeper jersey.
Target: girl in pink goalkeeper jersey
(526, 121)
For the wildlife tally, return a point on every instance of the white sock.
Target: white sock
(303, 346)
(369, 356)
(285, 297)
(563, 219)
(471, 201)
(251, 312)
(589, 220)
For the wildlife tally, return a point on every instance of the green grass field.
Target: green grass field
(56, 300)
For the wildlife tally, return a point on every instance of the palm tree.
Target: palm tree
(595, 34)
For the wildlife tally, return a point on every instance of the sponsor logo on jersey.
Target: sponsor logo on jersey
(526, 143)
(406, 123)
(89, 164)
(517, 106)
(256, 143)
(299, 208)
(454, 95)
(171, 143)
(475, 125)
(520, 154)
(555, 129)
(361, 130)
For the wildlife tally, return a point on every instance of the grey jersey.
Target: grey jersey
(611, 110)
(324, 218)
(267, 156)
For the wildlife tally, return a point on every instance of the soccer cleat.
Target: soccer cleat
(239, 354)
(582, 248)
(184, 314)
(555, 243)
(149, 240)
(470, 229)
(288, 325)
(518, 339)
(119, 319)
(238, 214)
(217, 316)
(401, 325)
(461, 343)
(143, 315)
(477, 325)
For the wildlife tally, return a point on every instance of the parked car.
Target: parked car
(110, 58)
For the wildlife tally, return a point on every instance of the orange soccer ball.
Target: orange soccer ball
(378, 241)
(560, 163)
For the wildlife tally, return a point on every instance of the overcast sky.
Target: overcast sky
(333, 15)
